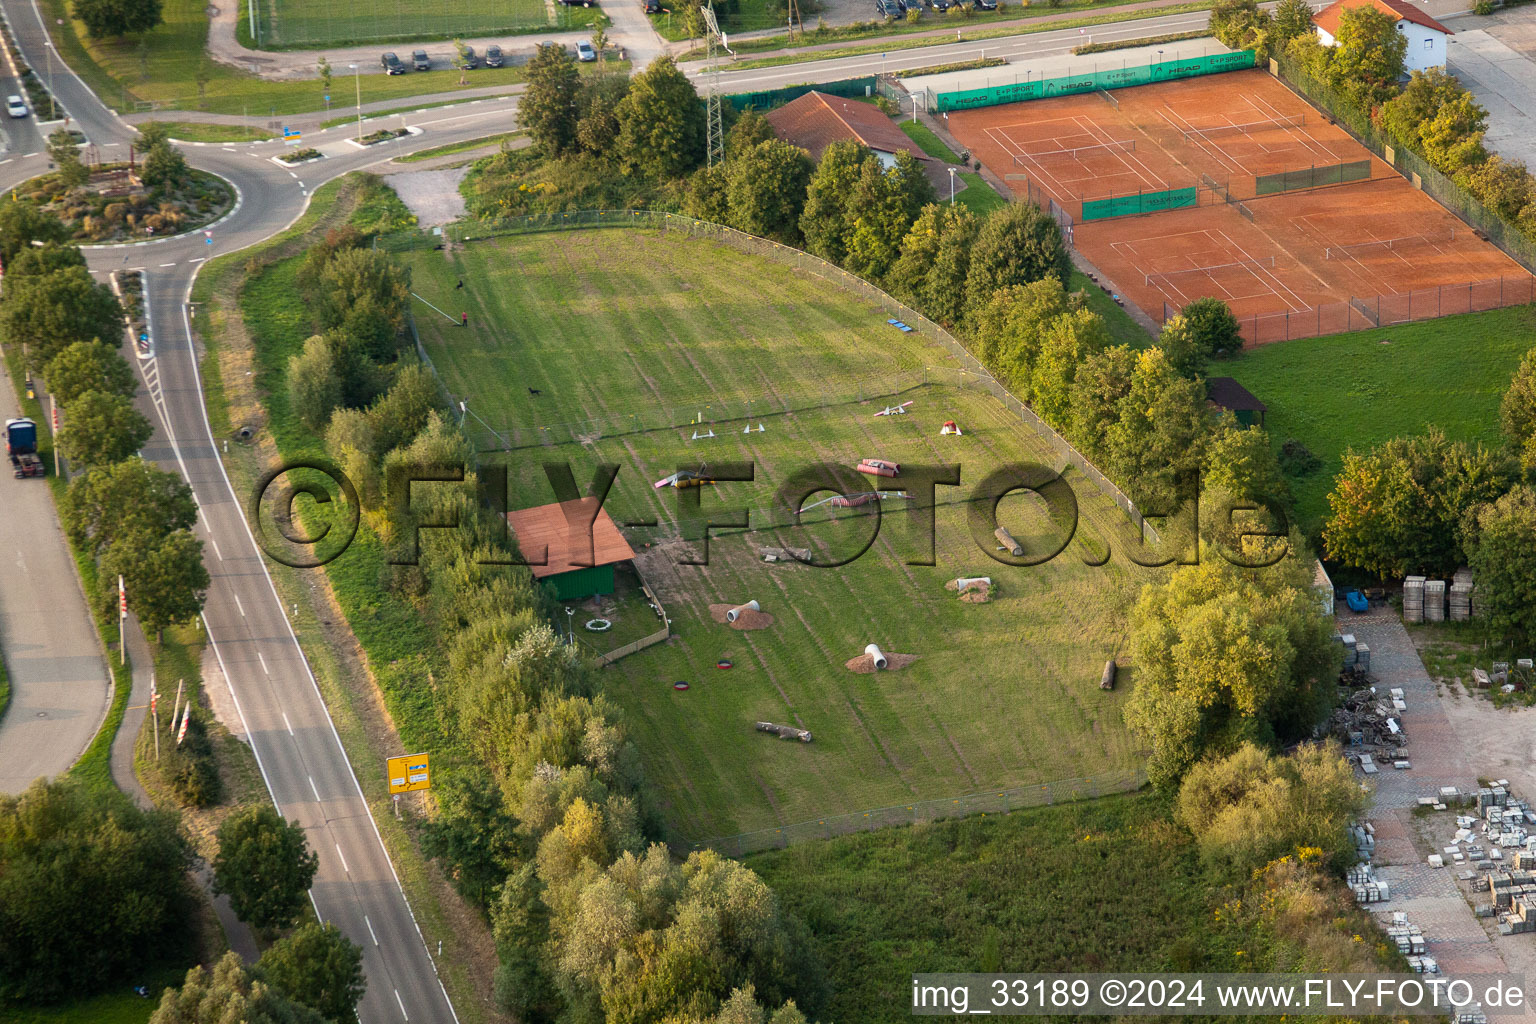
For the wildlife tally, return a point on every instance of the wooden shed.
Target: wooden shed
(577, 570)
(1228, 394)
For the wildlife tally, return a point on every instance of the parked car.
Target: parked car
(939, 5)
(421, 60)
(888, 8)
(391, 64)
(493, 57)
(577, 3)
(15, 106)
(651, 6)
(986, 5)
(468, 60)
(585, 53)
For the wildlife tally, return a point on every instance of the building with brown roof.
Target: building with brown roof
(560, 548)
(1426, 36)
(816, 120)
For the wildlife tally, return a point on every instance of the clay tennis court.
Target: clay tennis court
(1363, 247)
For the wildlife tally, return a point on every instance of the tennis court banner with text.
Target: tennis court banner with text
(1107, 78)
(1311, 177)
(1138, 203)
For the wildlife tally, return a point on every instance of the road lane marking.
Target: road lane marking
(338, 848)
(239, 605)
(313, 790)
(167, 264)
(263, 663)
(402, 1005)
(215, 546)
(288, 723)
(370, 930)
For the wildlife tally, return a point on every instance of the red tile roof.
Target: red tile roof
(1327, 19)
(547, 528)
(815, 121)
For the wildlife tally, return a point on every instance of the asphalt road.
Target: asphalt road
(60, 686)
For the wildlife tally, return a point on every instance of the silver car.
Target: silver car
(585, 53)
(16, 106)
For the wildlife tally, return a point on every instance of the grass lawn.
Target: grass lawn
(1101, 885)
(636, 330)
(978, 195)
(198, 131)
(1357, 390)
(927, 141)
(289, 23)
(167, 68)
(123, 1008)
(460, 147)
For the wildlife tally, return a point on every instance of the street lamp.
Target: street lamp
(1159, 58)
(951, 186)
(53, 108)
(357, 80)
(570, 625)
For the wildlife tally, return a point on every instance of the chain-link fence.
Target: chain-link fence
(1000, 801)
(1412, 166)
(963, 368)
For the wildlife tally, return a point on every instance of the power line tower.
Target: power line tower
(714, 125)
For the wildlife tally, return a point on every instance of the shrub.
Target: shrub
(1297, 459)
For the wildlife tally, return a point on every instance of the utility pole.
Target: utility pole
(714, 125)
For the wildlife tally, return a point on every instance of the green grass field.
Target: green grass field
(306, 23)
(630, 330)
(1357, 390)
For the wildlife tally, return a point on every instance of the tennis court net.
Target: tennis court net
(1226, 130)
(1213, 269)
(1078, 152)
(1107, 98)
(1340, 252)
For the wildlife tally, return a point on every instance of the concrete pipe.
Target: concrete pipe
(874, 652)
(735, 613)
(964, 583)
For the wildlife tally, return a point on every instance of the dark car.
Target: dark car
(939, 5)
(651, 6)
(391, 64)
(421, 60)
(467, 60)
(985, 5)
(577, 3)
(493, 57)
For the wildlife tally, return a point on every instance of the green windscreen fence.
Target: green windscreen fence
(1311, 177)
(1108, 78)
(848, 88)
(1138, 202)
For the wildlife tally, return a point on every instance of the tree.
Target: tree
(316, 382)
(706, 198)
(765, 189)
(402, 413)
(65, 153)
(1241, 25)
(1017, 244)
(166, 579)
(661, 123)
(88, 366)
(51, 312)
(1517, 412)
(265, 867)
(1250, 807)
(102, 428)
(318, 967)
(935, 260)
(548, 106)
(1398, 508)
(473, 835)
(91, 889)
(1064, 343)
(1225, 656)
(827, 220)
(1009, 329)
(1099, 386)
(109, 18)
(230, 993)
(1291, 19)
(21, 224)
(881, 209)
(1504, 186)
(1213, 329)
(1159, 434)
(750, 129)
(359, 285)
(132, 498)
(1502, 554)
(164, 168)
(1434, 104)
(40, 260)
(597, 107)
(1368, 60)
(327, 74)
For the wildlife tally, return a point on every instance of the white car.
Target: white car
(585, 53)
(15, 106)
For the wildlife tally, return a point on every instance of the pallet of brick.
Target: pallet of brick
(1461, 602)
(1362, 657)
(1413, 599)
(1434, 600)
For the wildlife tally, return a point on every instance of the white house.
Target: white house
(1426, 36)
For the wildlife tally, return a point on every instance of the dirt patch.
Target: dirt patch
(433, 196)
(977, 595)
(748, 619)
(864, 664)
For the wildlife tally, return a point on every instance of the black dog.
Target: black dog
(534, 391)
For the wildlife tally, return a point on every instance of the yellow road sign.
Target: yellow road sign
(408, 773)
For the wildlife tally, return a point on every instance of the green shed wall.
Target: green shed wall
(582, 583)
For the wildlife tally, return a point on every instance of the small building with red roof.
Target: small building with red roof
(1426, 36)
(816, 120)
